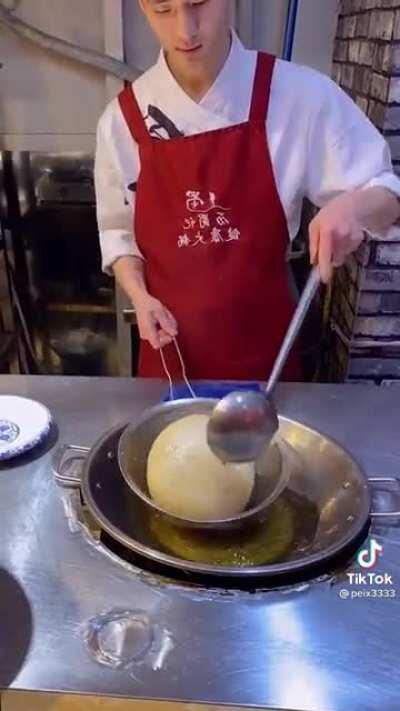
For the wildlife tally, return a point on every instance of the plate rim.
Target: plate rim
(14, 451)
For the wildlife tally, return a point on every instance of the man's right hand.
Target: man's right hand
(156, 324)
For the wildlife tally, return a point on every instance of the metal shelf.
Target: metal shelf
(59, 307)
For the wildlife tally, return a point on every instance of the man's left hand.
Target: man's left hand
(335, 233)
(339, 228)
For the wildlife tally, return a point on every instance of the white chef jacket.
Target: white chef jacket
(320, 142)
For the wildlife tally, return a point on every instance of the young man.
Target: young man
(201, 169)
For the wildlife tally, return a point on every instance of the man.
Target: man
(214, 149)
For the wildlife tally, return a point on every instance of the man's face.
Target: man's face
(191, 32)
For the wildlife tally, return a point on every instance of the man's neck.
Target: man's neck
(197, 83)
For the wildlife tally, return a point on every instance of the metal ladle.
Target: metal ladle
(243, 423)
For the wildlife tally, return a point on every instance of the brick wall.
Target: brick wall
(364, 306)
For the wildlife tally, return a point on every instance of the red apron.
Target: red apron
(210, 224)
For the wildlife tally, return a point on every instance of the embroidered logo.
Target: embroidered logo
(206, 223)
(9, 431)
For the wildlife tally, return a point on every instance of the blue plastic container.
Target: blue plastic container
(209, 390)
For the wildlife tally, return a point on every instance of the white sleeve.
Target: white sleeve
(345, 150)
(114, 209)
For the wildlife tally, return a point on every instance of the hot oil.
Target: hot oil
(287, 534)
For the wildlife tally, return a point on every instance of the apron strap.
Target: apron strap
(262, 87)
(133, 116)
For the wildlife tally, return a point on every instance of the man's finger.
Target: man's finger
(165, 338)
(345, 245)
(314, 241)
(173, 321)
(339, 255)
(167, 322)
(339, 259)
(151, 333)
(325, 256)
(357, 238)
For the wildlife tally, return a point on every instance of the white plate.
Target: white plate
(23, 424)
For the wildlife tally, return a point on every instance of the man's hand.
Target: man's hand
(156, 324)
(338, 229)
(334, 234)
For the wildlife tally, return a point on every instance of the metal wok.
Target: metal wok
(331, 487)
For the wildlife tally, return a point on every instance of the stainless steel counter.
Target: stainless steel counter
(300, 647)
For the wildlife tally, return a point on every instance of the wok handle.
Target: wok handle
(67, 464)
(385, 480)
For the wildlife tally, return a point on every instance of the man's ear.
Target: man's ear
(142, 5)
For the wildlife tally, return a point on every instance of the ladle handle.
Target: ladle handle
(306, 298)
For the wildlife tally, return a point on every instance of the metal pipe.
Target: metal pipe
(94, 59)
(290, 29)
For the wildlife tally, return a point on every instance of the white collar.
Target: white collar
(230, 89)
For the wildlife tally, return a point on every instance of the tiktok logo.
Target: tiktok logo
(368, 557)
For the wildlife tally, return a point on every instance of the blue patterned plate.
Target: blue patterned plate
(23, 424)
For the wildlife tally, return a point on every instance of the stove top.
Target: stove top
(104, 625)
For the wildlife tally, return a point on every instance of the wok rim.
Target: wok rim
(264, 571)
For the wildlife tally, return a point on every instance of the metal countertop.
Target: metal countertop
(300, 647)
